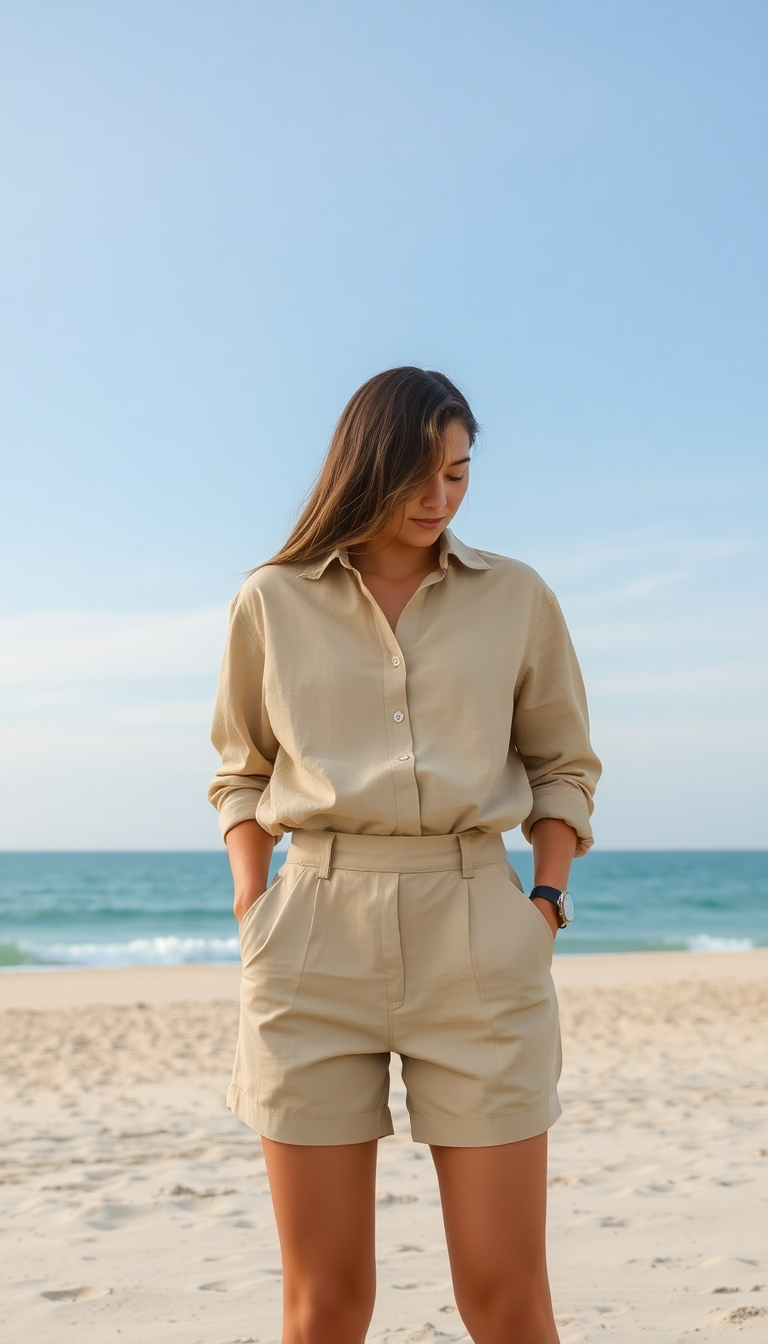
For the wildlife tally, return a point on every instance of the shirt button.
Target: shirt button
(395, 662)
(398, 717)
(403, 758)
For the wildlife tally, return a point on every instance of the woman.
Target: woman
(396, 700)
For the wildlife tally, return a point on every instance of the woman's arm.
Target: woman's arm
(250, 852)
(550, 730)
(241, 731)
(554, 846)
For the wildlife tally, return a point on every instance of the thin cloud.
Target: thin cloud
(624, 551)
(76, 647)
(747, 677)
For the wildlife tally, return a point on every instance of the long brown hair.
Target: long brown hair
(387, 444)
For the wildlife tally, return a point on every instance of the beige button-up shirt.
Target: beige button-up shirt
(471, 713)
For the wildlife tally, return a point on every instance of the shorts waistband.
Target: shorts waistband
(465, 851)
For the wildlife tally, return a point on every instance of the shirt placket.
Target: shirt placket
(396, 714)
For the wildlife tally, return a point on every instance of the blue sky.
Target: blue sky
(220, 218)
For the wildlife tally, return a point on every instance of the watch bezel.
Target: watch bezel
(565, 907)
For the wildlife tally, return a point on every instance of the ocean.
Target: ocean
(131, 909)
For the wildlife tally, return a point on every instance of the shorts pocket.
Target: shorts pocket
(249, 917)
(534, 909)
(512, 955)
(542, 920)
(274, 941)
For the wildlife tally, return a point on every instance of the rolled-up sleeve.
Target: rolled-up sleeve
(241, 731)
(550, 730)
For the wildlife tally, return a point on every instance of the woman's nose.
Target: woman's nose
(434, 496)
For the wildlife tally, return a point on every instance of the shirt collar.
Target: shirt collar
(449, 545)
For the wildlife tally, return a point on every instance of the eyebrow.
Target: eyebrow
(459, 461)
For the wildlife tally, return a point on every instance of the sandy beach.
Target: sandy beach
(136, 1206)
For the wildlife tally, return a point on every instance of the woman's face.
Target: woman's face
(431, 509)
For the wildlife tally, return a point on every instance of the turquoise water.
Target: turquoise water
(96, 909)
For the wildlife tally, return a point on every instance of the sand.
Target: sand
(136, 1206)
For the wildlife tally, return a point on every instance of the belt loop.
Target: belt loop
(324, 866)
(465, 845)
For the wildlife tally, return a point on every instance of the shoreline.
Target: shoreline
(79, 986)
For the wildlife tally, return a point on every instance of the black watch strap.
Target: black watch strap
(549, 893)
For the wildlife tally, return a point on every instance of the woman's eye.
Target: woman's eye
(457, 478)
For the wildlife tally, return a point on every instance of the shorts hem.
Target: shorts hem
(324, 1131)
(446, 1131)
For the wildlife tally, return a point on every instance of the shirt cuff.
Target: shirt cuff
(238, 805)
(564, 802)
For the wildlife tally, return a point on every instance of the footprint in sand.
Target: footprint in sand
(421, 1334)
(745, 1314)
(735, 1262)
(186, 1199)
(427, 1334)
(75, 1294)
(109, 1217)
(235, 1285)
(226, 1285)
(212, 1192)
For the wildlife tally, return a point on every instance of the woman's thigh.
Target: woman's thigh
(494, 1209)
(324, 1202)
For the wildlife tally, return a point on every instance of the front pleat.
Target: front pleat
(478, 980)
(316, 899)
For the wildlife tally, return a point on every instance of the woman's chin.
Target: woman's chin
(413, 535)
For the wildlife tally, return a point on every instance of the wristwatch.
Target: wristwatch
(562, 899)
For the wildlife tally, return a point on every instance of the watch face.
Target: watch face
(567, 906)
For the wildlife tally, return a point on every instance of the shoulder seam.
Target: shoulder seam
(239, 615)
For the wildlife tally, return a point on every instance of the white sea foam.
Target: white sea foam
(163, 951)
(704, 942)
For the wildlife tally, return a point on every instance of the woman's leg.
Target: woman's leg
(324, 1201)
(494, 1208)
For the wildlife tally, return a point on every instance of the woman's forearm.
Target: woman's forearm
(250, 852)
(554, 846)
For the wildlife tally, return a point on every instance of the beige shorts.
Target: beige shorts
(422, 945)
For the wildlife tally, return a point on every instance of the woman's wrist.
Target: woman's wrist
(248, 896)
(250, 853)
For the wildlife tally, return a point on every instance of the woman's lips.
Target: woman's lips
(427, 522)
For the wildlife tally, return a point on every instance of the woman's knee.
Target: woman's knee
(334, 1311)
(497, 1315)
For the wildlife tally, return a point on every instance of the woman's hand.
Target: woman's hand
(250, 851)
